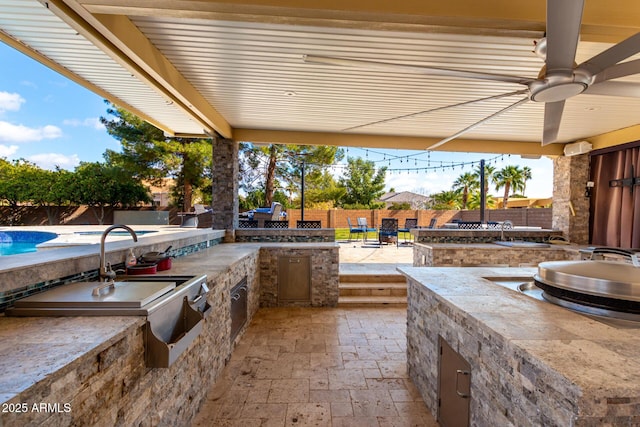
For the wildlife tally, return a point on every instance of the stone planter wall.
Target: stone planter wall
(437, 255)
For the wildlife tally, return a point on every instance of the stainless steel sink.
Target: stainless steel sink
(127, 296)
(175, 308)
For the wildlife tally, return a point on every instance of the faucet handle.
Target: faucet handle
(108, 273)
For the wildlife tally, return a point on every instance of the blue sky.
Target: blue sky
(45, 117)
(50, 120)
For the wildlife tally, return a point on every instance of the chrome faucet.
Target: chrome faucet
(106, 273)
(506, 223)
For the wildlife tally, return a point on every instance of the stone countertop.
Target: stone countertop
(590, 354)
(31, 348)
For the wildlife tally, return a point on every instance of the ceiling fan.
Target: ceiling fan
(559, 79)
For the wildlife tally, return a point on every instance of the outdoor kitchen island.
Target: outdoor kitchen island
(84, 370)
(521, 361)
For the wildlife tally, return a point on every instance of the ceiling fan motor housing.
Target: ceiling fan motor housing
(558, 85)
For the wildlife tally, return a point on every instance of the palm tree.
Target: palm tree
(446, 200)
(474, 201)
(526, 176)
(489, 172)
(510, 177)
(466, 183)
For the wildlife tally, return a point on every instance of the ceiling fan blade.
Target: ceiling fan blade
(552, 117)
(620, 70)
(612, 56)
(404, 116)
(476, 124)
(563, 31)
(433, 71)
(609, 88)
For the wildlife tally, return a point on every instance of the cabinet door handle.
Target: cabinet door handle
(458, 373)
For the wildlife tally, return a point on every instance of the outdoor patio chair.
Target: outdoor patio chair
(433, 223)
(409, 223)
(388, 230)
(354, 230)
(272, 214)
(362, 223)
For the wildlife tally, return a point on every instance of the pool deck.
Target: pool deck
(359, 258)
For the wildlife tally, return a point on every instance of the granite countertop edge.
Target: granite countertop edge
(552, 336)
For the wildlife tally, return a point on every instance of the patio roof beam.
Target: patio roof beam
(123, 41)
(601, 21)
(385, 141)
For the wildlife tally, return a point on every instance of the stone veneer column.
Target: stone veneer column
(225, 171)
(570, 206)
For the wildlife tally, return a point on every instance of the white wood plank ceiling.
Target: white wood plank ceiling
(251, 72)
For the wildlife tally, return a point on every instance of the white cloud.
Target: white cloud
(10, 101)
(7, 150)
(93, 122)
(51, 160)
(29, 83)
(19, 133)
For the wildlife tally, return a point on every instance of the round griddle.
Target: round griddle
(608, 285)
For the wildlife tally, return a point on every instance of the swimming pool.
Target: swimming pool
(19, 242)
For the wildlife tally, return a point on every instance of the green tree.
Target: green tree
(277, 168)
(15, 181)
(526, 176)
(489, 172)
(474, 201)
(16, 184)
(101, 186)
(510, 178)
(147, 154)
(466, 183)
(362, 184)
(397, 206)
(52, 189)
(446, 200)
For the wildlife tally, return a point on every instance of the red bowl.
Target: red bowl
(146, 268)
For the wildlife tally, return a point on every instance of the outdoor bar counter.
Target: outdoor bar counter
(531, 362)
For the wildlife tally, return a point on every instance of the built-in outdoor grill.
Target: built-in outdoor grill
(596, 286)
(175, 308)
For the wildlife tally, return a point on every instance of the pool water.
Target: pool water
(20, 242)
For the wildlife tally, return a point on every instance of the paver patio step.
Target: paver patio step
(372, 278)
(373, 285)
(373, 289)
(372, 300)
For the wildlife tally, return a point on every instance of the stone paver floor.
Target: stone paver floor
(318, 367)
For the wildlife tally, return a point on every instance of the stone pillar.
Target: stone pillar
(570, 206)
(225, 171)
